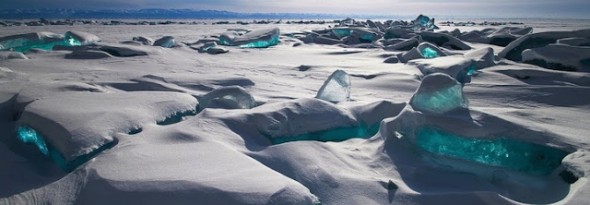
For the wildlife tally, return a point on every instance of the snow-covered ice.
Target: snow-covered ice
(339, 112)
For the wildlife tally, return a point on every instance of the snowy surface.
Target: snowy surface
(166, 153)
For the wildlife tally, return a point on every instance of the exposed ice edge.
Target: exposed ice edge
(349, 32)
(287, 119)
(69, 127)
(450, 116)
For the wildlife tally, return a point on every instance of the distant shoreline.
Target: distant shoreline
(189, 14)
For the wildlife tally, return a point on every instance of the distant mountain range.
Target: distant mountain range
(160, 14)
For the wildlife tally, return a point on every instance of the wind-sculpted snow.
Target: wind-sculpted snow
(559, 57)
(230, 97)
(114, 177)
(444, 40)
(483, 57)
(6, 55)
(499, 37)
(513, 51)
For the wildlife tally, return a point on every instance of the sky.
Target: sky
(484, 8)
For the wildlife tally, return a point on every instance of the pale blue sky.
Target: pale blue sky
(499, 8)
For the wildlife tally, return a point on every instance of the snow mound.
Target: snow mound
(144, 40)
(403, 45)
(308, 120)
(483, 57)
(87, 54)
(121, 50)
(513, 51)
(6, 55)
(499, 37)
(444, 40)
(141, 175)
(559, 57)
(575, 41)
(457, 67)
(301, 116)
(77, 124)
(166, 42)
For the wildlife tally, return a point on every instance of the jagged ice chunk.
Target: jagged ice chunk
(336, 88)
(438, 93)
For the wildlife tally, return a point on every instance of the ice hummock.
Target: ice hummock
(336, 88)
(69, 122)
(355, 35)
(423, 50)
(39, 40)
(46, 40)
(262, 38)
(424, 23)
(166, 42)
(559, 57)
(438, 93)
(513, 51)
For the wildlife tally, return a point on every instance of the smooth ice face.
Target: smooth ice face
(336, 88)
(28, 135)
(428, 52)
(332, 135)
(499, 152)
(438, 93)
(424, 22)
(25, 44)
(166, 42)
(471, 70)
(262, 38)
(274, 40)
(342, 32)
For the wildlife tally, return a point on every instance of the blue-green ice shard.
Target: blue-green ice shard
(342, 32)
(471, 70)
(428, 52)
(439, 101)
(26, 43)
(28, 135)
(499, 152)
(274, 40)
